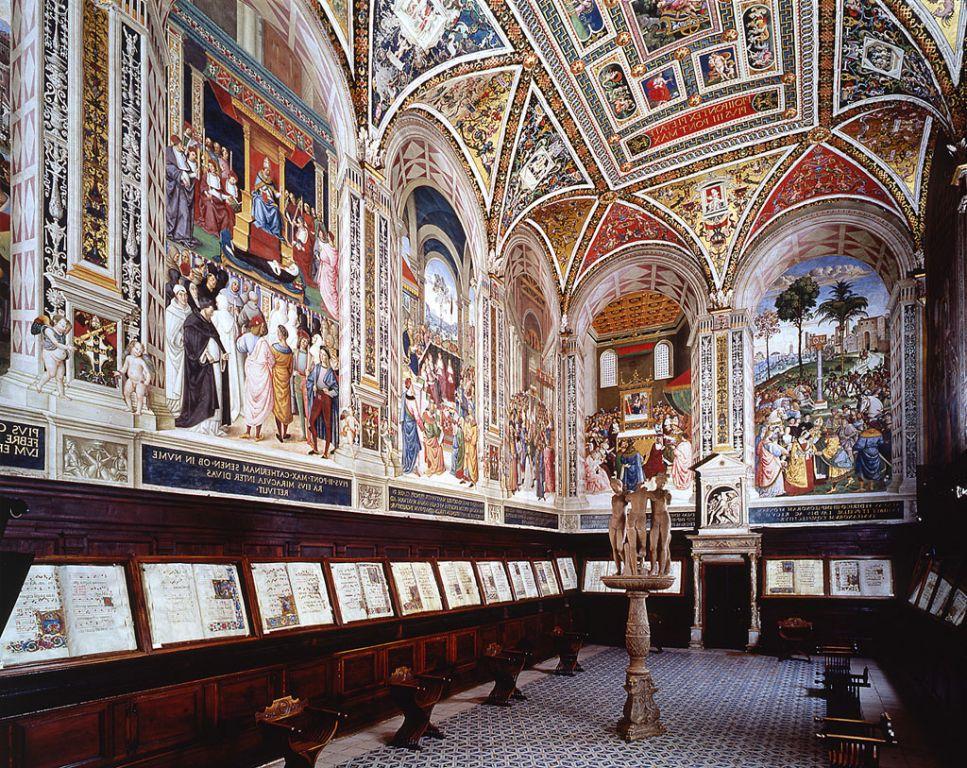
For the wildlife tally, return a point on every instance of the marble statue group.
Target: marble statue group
(632, 539)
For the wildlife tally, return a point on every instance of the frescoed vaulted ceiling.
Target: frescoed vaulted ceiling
(602, 125)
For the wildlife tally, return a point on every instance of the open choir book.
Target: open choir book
(493, 580)
(361, 591)
(291, 595)
(860, 578)
(569, 576)
(546, 578)
(794, 577)
(416, 588)
(188, 602)
(522, 579)
(459, 583)
(67, 611)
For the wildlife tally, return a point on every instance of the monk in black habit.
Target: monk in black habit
(200, 400)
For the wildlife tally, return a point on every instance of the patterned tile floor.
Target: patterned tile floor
(721, 710)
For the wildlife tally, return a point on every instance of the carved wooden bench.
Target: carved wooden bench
(298, 730)
(416, 695)
(852, 743)
(837, 657)
(568, 646)
(842, 692)
(505, 666)
(794, 637)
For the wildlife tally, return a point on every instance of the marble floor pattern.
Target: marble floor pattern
(721, 709)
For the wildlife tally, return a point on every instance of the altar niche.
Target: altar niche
(642, 426)
(439, 433)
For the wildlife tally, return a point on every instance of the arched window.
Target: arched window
(608, 368)
(663, 360)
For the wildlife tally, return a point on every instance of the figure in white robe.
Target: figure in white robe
(224, 322)
(257, 392)
(327, 273)
(175, 315)
(292, 327)
(682, 475)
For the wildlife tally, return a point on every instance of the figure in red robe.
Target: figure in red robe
(656, 461)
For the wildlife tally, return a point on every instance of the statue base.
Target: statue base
(641, 718)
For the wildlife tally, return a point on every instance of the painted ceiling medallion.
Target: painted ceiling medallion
(819, 134)
(713, 205)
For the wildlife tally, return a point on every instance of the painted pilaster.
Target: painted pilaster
(37, 56)
(572, 369)
(906, 366)
(723, 389)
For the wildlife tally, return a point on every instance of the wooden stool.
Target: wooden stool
(416, 695)
(298, 730)
(568, 646)
(505, 666)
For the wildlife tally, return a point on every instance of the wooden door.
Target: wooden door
(727, 612)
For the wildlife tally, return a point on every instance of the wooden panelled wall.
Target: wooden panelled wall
(869, 621)
(196, 706)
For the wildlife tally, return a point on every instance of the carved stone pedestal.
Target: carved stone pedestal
(641, 718)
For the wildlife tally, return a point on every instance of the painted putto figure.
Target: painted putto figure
(54, 351)
(134, 376)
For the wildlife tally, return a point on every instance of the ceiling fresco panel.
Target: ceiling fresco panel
(821, 173)
(543, 162)
(475, 108)
(947, 22)
(897, 137)
(877, 59)
(713, 204)
(666, 81)
(562, 223)
(623, 225)
(413, 39)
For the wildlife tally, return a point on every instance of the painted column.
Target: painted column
(695, 639)
(572, 371)
(755, 625)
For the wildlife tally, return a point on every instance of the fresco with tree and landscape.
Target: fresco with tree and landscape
(822, 381)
